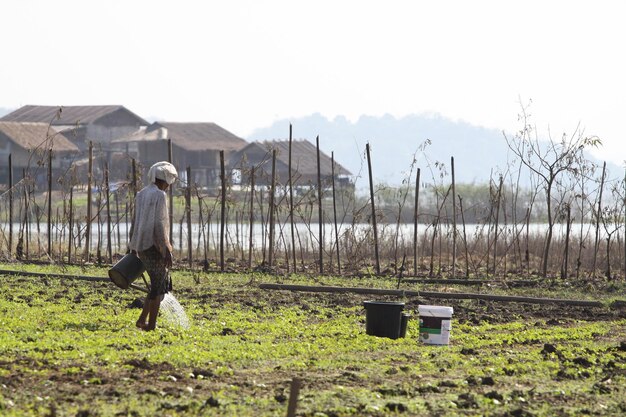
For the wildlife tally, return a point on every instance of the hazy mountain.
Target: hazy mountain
(394, 142)
(4, 111)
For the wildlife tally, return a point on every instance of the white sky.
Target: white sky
(244, 64)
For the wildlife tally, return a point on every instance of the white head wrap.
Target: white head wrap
(164, 171)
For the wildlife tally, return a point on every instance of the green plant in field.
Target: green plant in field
(71, 346)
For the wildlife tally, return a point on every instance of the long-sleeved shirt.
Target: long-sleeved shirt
(151, 223)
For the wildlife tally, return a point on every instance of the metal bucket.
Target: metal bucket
(126, 270)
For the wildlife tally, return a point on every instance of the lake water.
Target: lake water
(307, 236)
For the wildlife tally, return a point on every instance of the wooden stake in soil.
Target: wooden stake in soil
(10, 204)
(188, 213)
(251, 234)
(117, 219)
(50, 202)
(294, 391)
(464, 238)
(495, 238)
(108, 209)
(202, 232)
(26, 213)
(568, 226)
(453, 220)
(527, 246)
(71, 226)
(293, 233)
(134, 179)
(598, 218)
(89, 215)
(332, 161)
(99, 224)
(171, 193)
(223, 210)
(270, 249)
(415, 218)
(369, 169)
(129, 234)
(319, 208)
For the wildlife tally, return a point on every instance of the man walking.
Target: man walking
(150, 239)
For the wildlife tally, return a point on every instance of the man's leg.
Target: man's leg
(141, 322)
(155, 304)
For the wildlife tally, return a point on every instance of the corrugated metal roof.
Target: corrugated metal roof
(31, 136)
(64, 115)
(191, 136)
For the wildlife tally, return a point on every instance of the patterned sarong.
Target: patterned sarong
(160, 281)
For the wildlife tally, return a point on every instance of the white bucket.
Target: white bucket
(435, 324)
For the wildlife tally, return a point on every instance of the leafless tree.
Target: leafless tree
(548, 160)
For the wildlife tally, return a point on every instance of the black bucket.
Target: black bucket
(383, 318)
(126, 270)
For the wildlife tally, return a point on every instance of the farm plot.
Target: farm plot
(70, 348)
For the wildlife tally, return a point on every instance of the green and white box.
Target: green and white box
(435, 324)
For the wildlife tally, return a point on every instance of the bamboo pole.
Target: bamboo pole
(50, 202)
(200, 221)
(565, 269)
(202, 232)
(26, 215)
(223, 210)
(293, 233)
(71, 226)
(527, 249)
(180, 231)
(117, 220)
(264, 228)
(10, 204)
(171, 193)
(495, 237)
(107, 195)
(369, 169)
(89, 214)
(464, 238)
(332, 161)
(453, 220)
(31, 195)
(319, 208)
(238, 243)
(270, 251)
(251, 228)
(99, 228)
(59, 235)
(188, 213)
(415, 219)
(598, 217)
(134, 177)
(126, 215)
(441, 295)
(132, 200)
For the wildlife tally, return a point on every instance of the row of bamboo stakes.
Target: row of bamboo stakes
(223, 186)
(272, 208)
